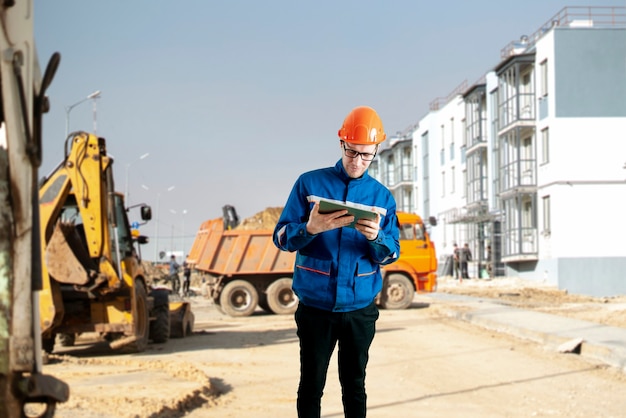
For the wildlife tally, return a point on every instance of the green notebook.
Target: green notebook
(354, 209)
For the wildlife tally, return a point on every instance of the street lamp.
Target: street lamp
(156, 226)
(95, 95)
(126, 199)
(95, 112)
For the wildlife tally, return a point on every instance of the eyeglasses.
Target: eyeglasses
(365, 156)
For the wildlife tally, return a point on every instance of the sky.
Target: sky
(232, 100)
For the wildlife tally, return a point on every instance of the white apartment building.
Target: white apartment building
(531, 159)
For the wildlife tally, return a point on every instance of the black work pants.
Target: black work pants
(319, 331)
(186, 283)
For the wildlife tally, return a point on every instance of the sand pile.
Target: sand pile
(266, 219)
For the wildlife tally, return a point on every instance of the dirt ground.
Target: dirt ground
(232, 367)
(423, 363)
(541, 297)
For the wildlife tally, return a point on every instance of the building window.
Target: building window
(527, 161)
(529, 227)
(407, 200)
(443, 184)
(527, 97)
(406, 158)
(452, 140)
(443, 145)
(545, 146)
(452, 180)
(546, 215)
(391, 171)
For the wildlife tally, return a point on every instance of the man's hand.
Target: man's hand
(320, 222)
(368, 227)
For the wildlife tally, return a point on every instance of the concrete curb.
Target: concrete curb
(598, 342)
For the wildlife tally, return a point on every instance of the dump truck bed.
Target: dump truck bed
(238, 252)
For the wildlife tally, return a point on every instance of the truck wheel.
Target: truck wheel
(280, 297)
(397, 292)
(239, 298)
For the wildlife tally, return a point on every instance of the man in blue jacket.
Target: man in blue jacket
(337, 272)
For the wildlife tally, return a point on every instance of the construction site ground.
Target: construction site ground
(425, 361)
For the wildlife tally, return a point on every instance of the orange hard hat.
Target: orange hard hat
(362, 126)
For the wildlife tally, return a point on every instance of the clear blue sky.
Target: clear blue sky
(234, 99)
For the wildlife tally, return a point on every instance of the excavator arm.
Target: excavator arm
(80, 238)
(79, 194)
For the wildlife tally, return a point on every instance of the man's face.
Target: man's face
(352, 158)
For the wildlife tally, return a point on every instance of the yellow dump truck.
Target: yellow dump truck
(243, 269)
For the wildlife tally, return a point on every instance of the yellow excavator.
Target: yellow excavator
(94, 280)
(92, 274)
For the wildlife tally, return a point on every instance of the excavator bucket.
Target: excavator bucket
(181, 319)
(66, 256)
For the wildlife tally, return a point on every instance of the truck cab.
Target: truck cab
(415, 270)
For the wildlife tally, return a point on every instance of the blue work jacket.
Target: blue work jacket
(337, 270)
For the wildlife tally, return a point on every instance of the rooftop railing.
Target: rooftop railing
(574, 17)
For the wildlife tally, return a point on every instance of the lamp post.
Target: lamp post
(95, 112)
(156, 226)
(95, 95)
(126, 198)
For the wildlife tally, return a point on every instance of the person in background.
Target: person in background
(186, 276)
(465, 256)
(174, 279)
(455, 261)
(337, 269)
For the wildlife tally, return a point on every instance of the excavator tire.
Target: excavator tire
(239, 298)
(280, 297)
(160, 325)
(138, 342)
(397, 292)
